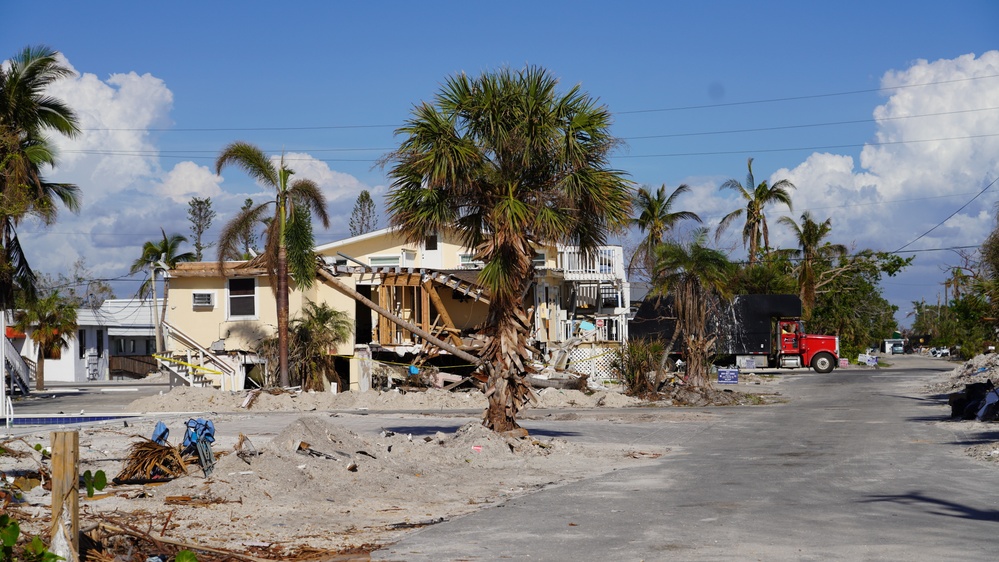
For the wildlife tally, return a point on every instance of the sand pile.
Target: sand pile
(317, 485)
(192, 399)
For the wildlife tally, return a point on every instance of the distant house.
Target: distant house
(114, 340)
(577, 299)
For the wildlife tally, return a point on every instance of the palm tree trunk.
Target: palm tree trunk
(282, 316)
(507, 388)
(40, 370)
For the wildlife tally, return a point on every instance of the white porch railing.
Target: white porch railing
(221, 374)
(16, 362)
(605, 328)
(606, 262)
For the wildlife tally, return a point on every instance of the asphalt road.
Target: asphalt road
(859, 465)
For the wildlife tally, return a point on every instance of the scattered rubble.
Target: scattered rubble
(314, 487)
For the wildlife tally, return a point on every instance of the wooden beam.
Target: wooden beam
(430, 291)
(332, 281)
(66, 488)
(402, 279)
(384, 327)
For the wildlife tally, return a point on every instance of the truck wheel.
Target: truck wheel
(823, 363)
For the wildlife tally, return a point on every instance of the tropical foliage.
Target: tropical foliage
(755, 232)
(51, 322)
(812, 253)
(697, 277)
(289, 241)
(27, 114)
(656, 218)
(508, 163)
(313, 339)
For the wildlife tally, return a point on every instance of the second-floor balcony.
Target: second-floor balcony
(606, 263)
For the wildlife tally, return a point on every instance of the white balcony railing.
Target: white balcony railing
(604, 328)
(605, 263)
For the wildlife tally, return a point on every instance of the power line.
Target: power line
(187, 156)
(980, 193)
(807, 125)
(806, 97)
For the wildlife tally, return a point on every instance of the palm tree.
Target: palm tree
(656, 218)
(289, 242)
(312, 342)
(26, 114)
(52, 322)
(697, 277)
(755, 231)
(155, 254)
(811, 249)
(508, 164)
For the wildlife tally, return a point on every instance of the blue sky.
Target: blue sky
(884, 114)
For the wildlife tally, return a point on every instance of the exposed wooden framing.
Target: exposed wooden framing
(384, 326)
(425, 312)
(431, 292)
(402, 279)
(332, 281)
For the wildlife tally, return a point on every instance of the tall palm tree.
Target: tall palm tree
(289, 242)
(26, 115)
(697, 277)
(52, 323)
(656, 218)
(755, 234)
(811, 249)
(165, 250)
(508, 164)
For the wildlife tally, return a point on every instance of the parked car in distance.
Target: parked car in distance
(940, 352)
(897, 349)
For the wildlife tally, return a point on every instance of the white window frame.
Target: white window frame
(385, 260)
(228, 301)
(466, 261)
(209, 294)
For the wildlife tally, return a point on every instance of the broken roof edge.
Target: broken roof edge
(211, 269)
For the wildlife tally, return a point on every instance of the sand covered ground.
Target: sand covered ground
(316, 486)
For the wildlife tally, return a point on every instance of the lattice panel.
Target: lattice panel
(597, 362)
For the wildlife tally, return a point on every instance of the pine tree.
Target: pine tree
(201, 214)
(363, 219)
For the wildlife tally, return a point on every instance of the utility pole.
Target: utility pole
(156, 313)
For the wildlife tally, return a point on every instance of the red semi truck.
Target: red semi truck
(759, 331)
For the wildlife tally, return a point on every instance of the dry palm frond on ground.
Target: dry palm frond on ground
(148, 460)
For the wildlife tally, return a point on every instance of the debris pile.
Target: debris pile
(315, 487)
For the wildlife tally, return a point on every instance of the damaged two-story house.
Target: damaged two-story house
(578, 306)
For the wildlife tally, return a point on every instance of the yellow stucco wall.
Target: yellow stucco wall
(209, 324)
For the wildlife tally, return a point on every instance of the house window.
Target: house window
(119, 346)
(100, 343)
(150, 346)
(242, 298)
(467, 261)
(82, 338)
(131, 346)
(430, 242)
(539, 260)
(384, 261)
(203, 300)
